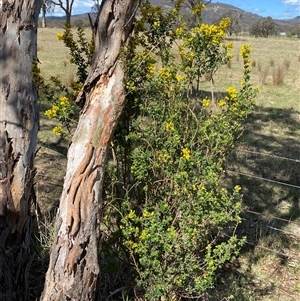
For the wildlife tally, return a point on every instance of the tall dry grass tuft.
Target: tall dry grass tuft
(41, 242)
(278, 75)
(259, 66)
(287, 63)
(262, 75)
(228, 64)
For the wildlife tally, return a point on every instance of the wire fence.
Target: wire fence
(269, 224)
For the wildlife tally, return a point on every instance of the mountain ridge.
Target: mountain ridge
(212, 13)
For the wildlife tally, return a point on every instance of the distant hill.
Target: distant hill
(212, 13)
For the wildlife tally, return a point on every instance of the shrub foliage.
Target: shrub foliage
(165, 210)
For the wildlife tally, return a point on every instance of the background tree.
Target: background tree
(263, 28)
(234, 25)
(47, 6)
(18, 138)
(96, 6)
(66, 6)
(296, 31)
(73, 269)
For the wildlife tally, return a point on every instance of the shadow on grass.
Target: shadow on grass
(266, 164)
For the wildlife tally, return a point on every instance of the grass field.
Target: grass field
(266, 163)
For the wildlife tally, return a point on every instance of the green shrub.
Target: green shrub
(174, 215)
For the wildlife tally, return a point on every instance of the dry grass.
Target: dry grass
(278, 75)
(268, 268)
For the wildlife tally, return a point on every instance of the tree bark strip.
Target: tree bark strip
(18, 138)
(74, 269)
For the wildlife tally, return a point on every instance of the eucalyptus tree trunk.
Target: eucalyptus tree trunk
(44, 11)
(18, 138)
(73, 268)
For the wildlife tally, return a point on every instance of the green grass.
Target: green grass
(268, 267)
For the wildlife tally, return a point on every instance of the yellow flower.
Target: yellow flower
(164, 157)
(222, 103)
(198, 8)
(59, 36)
(179, 31)
(224, 23)
(58, 130)
(179, 77)
(147, 214)
(237, 188)
(64, 101)
(51, 113)
(165, 73)
(130, 86)
(186, 154)
(151, 70)
(133, 245)
(156, 25)
(169, 126)
(131, 214)
(143, 235)
(232, 92)
(205, 102)
(230, 45)
(245, 50)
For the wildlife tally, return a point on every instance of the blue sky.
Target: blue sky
(277, 9)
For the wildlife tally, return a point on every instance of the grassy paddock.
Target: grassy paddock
(268, 268)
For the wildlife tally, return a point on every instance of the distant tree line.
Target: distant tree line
(263, 28)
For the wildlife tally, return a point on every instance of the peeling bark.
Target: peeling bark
(18, 138)
(73, 268)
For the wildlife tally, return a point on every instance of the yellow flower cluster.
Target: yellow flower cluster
(147, 214)
(151, 70)
(133, 245)
(180, 31)
(59, 36)
(58, 130)
(198, 8)
(52, 113)
(164, 73)
(244, 52)
(164, 157)
(179, 77)
(64, 101)
(131, 214)
(237, 188)
(232, 93)
(224, 23)
(156, 24)
(169, 126)
(205, 102)
(143, 235)
(221, 103)
(130, 86)
(229, 47)
(186, 154)
(212, 32)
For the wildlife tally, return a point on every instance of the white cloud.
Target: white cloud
(83, 4)
(291, 2)
(79, 6)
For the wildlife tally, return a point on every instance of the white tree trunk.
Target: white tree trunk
(74, 269)
(18, 138)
